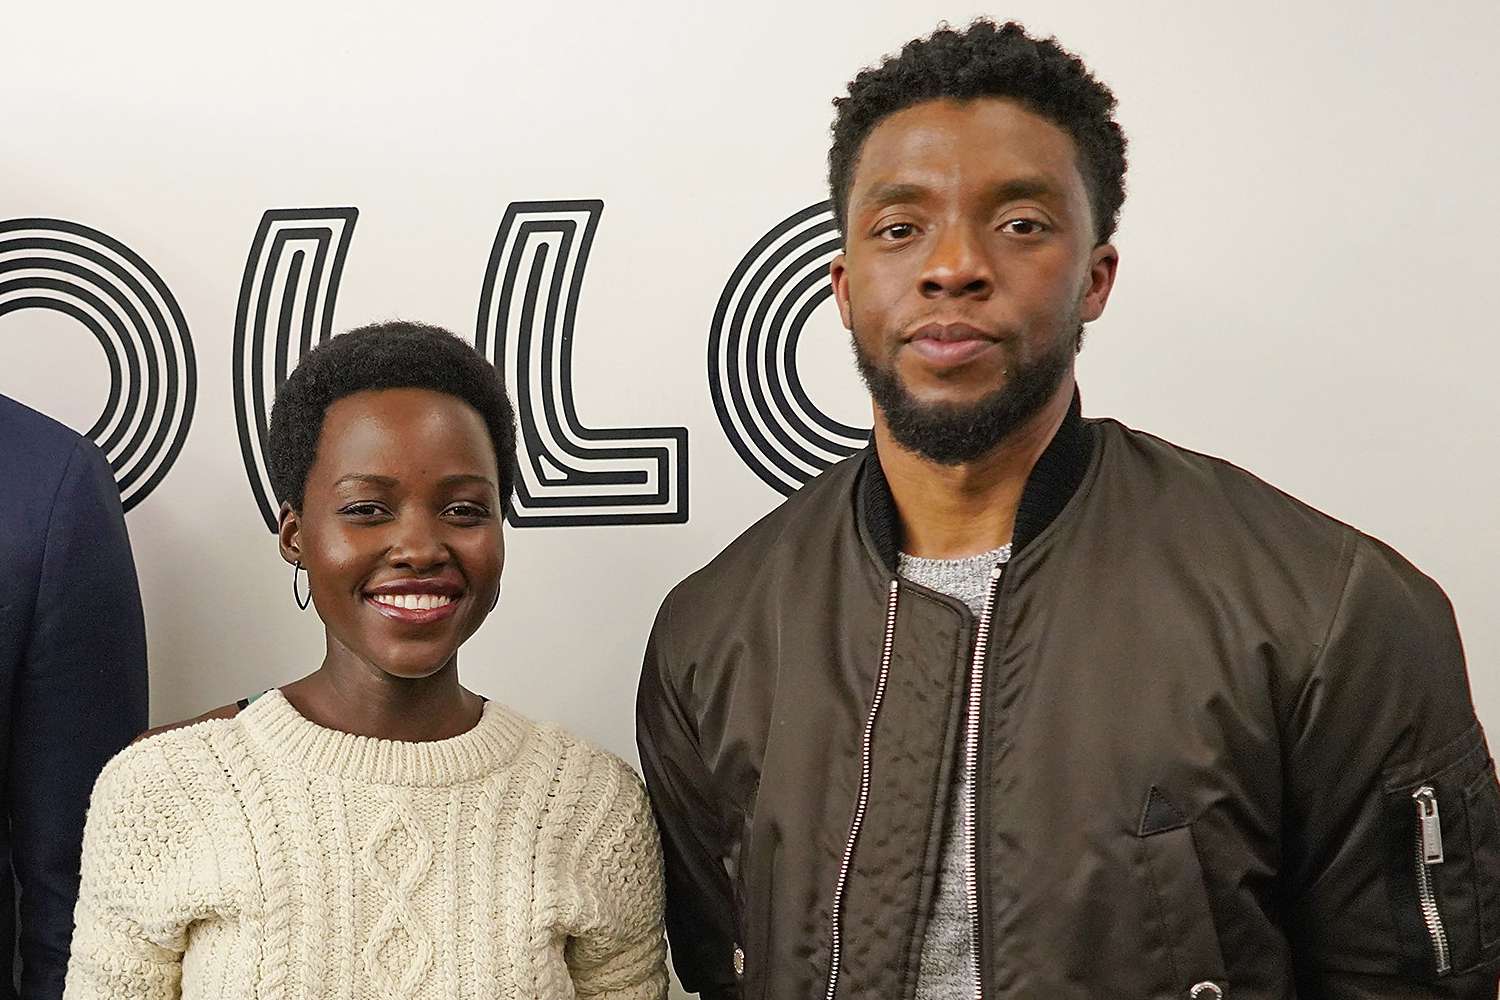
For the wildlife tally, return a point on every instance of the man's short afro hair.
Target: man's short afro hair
(987, 60)
(392, 355)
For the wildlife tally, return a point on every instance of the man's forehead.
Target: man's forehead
(935, 142)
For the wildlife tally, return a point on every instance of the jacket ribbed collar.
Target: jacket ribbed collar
(1053, 481)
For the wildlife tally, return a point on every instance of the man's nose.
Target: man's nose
(958, 265)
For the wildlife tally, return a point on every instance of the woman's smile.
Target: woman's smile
(416, 600)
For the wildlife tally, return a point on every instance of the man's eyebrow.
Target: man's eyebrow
(1024, 187)
(891, 192)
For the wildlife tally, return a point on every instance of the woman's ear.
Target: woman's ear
(288, 533)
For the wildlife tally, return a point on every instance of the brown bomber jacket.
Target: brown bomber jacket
(1211, 721)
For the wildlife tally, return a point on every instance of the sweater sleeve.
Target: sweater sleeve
(617, 950)
(144, 863)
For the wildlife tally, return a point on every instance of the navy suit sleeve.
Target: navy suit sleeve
(79, 698)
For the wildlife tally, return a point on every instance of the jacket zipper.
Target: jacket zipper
(1429, 853)
(863, 800)
(971, 773)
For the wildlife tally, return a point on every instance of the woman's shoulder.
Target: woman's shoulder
(593, 790)
(223, 712)
(573, 770)
(574, 758)
(599, 821)
(165, 758)
(163, 786)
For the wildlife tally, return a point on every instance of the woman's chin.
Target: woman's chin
(413, 669)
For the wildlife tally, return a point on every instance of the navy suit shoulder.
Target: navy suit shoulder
(72, 675)
(35, 452)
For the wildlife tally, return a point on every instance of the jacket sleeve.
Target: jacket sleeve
(1383, 721)
(80, 697)
(699, 901)
(615, 950)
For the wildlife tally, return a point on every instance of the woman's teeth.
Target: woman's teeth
(414, 602)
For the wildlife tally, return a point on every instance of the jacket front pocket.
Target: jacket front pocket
(1184, 919)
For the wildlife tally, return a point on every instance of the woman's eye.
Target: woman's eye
(363, 510)
(469, 511)
(1022, 227)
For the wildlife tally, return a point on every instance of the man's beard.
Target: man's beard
(954, 433)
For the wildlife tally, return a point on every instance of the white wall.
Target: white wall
(1306, 276)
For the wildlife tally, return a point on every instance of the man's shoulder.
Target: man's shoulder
(38, 455)
(34, 442)
(1214, 501)
(801, 524)
(1189, 488)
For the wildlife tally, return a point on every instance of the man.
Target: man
(1017, 704)
(72, 678)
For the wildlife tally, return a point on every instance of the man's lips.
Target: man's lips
(949, 345)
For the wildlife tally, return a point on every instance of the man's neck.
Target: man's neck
(951, 511)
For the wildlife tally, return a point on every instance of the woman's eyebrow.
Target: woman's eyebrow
(462, 478)
(366, 478)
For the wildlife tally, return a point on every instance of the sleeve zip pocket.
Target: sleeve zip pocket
(1443, 855)
(1429, 843)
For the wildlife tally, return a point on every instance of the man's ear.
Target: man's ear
(288, 533)
(839, 274)
(1104, 260)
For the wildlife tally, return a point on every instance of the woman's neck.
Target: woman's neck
(351, 696)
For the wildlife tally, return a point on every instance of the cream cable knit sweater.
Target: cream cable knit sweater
(265, 856)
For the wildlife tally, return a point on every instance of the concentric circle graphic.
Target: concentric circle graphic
(92, 277)
(774, 426)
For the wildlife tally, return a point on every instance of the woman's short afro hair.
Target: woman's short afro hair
(391, 355)
(987, 60)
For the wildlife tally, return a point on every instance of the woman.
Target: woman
(375, 829)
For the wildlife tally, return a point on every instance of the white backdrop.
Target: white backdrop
(1306, 262)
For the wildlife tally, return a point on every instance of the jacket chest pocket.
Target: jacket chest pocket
(1173, 873)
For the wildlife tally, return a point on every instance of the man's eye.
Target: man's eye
(1022, 227)
(898, 231)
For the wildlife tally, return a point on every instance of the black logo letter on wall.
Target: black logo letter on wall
(286, 308)
(569, 474)
(778, 431)
(106, 286)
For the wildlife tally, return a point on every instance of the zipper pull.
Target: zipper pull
(1431, 823)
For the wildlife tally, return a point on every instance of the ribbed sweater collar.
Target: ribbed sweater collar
(1053, 481)
(280, 732)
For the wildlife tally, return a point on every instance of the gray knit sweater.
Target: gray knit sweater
(947, 969)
